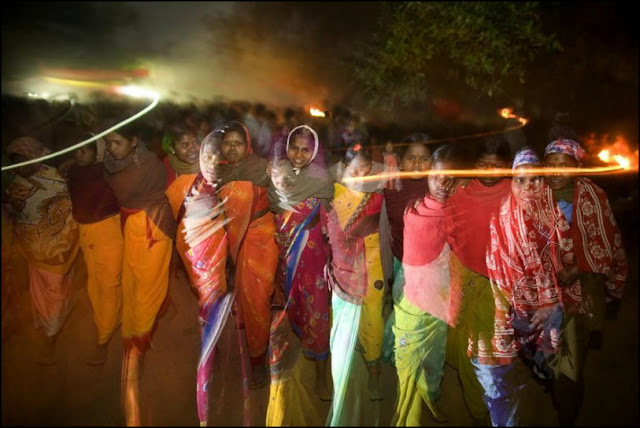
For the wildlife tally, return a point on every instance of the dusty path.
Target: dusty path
(73, 393)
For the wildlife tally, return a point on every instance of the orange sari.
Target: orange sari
(255, 254)
(176, 193)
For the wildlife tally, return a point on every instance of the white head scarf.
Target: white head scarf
(315, 145)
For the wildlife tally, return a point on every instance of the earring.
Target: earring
(135, 155)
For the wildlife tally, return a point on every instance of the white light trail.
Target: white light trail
(132, 91)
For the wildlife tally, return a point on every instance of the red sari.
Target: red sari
(597, 240)
(526, 252)
(304, 255)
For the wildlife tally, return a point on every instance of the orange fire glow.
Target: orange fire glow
(617, 152)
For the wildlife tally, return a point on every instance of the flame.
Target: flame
(604, 155)
(623, 161)
(316, 112)
(618, 152)
(507, 113)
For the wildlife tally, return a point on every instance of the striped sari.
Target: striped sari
(202, 244)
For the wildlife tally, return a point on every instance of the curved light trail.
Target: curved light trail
(131, 91)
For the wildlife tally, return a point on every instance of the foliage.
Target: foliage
(420, 45)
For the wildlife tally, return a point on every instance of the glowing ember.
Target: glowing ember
(316, 113)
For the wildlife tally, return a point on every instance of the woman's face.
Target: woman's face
(119, 146)
(416, 159)
(300, 151)
(440, 185)
(388, 147)
(358, 167)
(282, 177)
(492, 161)
(525, 187)
(234, 146)
(85, 155)
(559, 181)
(208, 160)
(187, 148)
(25, 171)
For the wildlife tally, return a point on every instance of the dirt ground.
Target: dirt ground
(72, 393)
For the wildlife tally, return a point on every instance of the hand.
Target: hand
(63, 168)
(540, 317)
(568, 275)
(413, 203)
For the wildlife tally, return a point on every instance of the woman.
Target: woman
(527, 236)
(356, 278)
(594, 276)
(46, 235)
(201, 229)
(96, 210)
(300, 202)
(242, 179)
(183, 167)
(416, 158)
(428, 303)
(138, 180)
(472, 206)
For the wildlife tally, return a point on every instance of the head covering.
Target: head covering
(567, 147)
(316, 143)
(526, 156)
(101, 145)
(251, 168)
(219, 133)
(311, 181)
(28, 147)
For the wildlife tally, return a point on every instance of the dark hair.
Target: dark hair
(303, 132)
(85, 136)
(416, 137)
(235, 126)
(447, 153)
(259, 109)
(495, 145)
(356, 149)
(289, 113)
(356, 137)
(128, 131)
(178, 130)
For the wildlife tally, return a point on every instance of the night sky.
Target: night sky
(285, 53)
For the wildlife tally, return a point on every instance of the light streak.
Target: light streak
(505, 113)
(131, 91)
(78, 83)
(497, 172)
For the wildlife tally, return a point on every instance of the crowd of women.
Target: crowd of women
(502, 276)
